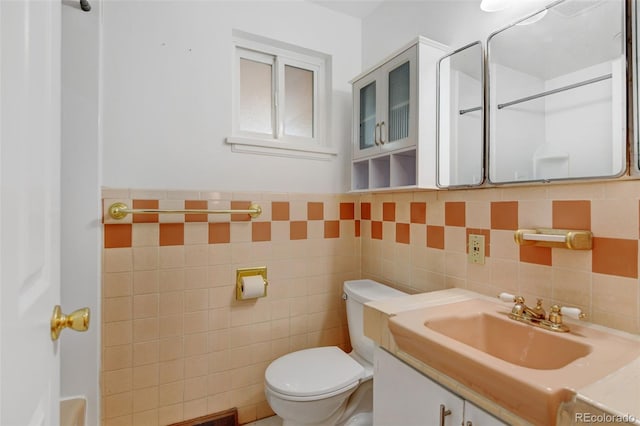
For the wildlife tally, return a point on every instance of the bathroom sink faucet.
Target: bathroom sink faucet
(537, 316)
(520, 309)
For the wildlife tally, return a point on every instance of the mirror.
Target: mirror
(557, 94)
(460, 136)
(635, 146)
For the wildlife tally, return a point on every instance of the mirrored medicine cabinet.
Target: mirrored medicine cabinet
(460, 122)
(557, 94)
(635, 145)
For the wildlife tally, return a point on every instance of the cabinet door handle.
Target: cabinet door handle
(381, 133)
(443, 413)
(375, 134)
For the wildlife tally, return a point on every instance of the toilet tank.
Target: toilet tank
(357, 293)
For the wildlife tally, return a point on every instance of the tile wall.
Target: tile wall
(175, 342)
(418, 242)
(177, 345)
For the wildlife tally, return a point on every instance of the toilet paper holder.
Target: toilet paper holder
(242, 273)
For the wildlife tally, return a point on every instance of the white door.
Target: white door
(29, 210)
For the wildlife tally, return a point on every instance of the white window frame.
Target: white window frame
(262, 50)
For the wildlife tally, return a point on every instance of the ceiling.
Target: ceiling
(355, 8)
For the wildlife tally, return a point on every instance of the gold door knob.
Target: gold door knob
(77, 320)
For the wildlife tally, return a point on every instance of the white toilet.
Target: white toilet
(326, 386)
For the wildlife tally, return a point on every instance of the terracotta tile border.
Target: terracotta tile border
(572, 214)
(612, 256)
(145, 204)
(504, 215)
(615, 256)
(454, 213)
(117, 236)
(120, 235)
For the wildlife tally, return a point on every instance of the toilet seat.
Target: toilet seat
(312, 374)
(312, 397)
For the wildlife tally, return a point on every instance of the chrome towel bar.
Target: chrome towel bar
(558, 90)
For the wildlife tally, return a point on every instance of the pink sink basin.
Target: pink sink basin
(527, 370)
(508, 340)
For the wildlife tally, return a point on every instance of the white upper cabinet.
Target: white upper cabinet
(385, 106)
(557, 94)
(394, 120)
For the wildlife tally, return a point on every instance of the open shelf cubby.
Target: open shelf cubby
(360, 175)
(392, 170)
(380, 172)
(403, 168)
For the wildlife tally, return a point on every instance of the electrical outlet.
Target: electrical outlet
(476, 249)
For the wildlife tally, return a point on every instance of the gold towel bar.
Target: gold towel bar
(562, 238)
(121, 210)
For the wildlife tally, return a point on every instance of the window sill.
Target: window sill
(281, 149)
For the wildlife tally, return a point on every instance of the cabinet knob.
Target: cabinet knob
(443, 413)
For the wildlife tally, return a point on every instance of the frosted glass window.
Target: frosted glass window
(256, 96)
(280, 99)
(298, 116)
(399, 103)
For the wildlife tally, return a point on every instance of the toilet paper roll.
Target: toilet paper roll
(252, 287)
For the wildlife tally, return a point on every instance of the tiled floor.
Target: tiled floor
(269, 421)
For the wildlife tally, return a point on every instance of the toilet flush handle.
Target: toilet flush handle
(344, 296)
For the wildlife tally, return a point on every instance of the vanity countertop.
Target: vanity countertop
(617, 394)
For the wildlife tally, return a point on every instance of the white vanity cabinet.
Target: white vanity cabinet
(394, 120)
(475, 416)
(404, 396)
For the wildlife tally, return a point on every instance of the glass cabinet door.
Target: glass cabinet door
(398, 106)
(385, 107)
(368, 131)
(398, 123)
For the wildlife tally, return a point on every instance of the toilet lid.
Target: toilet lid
(312, 372)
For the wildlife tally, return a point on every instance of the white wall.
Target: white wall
(81, 231)
(167, 69)
(452, 22)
